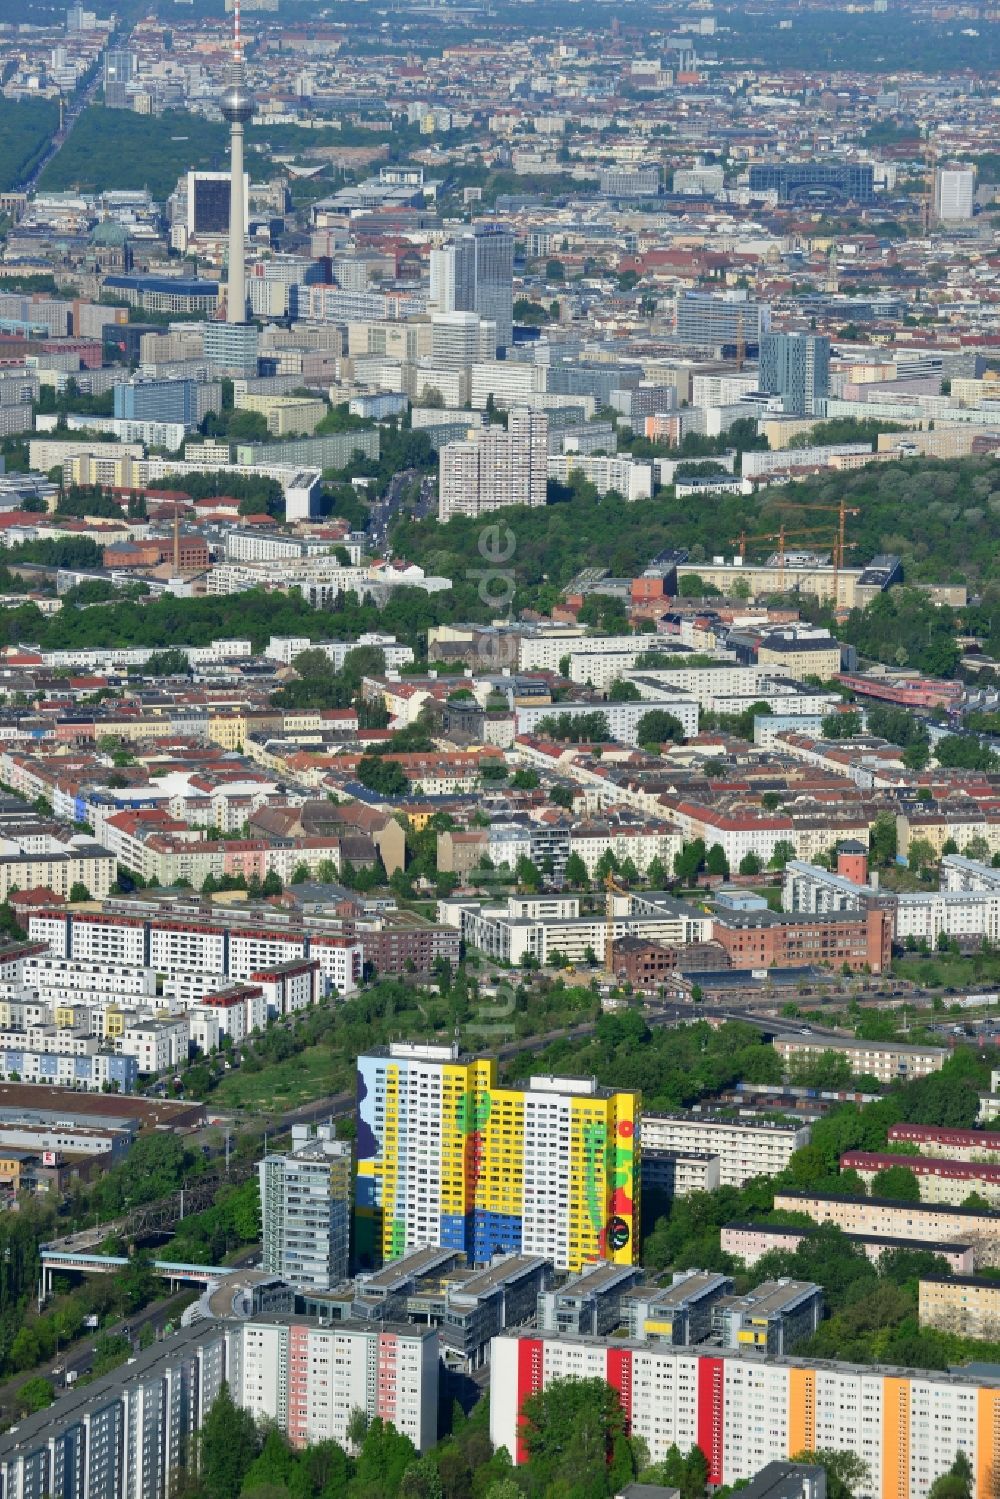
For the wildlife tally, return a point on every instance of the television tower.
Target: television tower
(237, 108)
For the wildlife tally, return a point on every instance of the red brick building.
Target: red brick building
(773, 939)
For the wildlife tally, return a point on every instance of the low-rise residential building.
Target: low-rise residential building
(749, 1242)
(885, 1060)
(967, 1305)
(939, 1180)
(929, 1222)
(745, 1148)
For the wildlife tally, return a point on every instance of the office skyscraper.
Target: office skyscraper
(475, 273)
(119, 70)
(720, 322)
(446, 1156)
(796, 367)
(305, 1200)
(494, 251)
(453, 276)
(459, 339)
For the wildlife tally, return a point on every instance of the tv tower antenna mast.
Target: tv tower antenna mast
(237, 108)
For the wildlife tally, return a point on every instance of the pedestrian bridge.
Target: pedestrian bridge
(56, 1260)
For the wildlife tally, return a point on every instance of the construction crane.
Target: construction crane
(927, 200)
(782, 535)
(840, 544)
(613, 888)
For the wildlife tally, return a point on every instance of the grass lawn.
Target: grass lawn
(283, 1085)
(948, 970)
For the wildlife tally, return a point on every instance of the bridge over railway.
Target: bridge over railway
(56, 1260)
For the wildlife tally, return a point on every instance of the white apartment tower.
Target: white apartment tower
(496, 467)
(305, 1199)
(954, 187)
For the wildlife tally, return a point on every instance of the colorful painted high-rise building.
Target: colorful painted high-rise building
(445, 1155)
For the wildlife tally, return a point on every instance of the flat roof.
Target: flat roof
(72, 1404)
(895, 1202)
(850, 1043)
(990, 1372)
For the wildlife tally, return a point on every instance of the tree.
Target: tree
(227, 1446)
(78, 892)
(562, 796)
(384, 777)
(687, 1473)
(656, 873)
(657, 726)
(385, 1456)
(783, 851)
(271, 883)
(916, 756)
(274, 1465)
(527, 874)
(524, 780)
(750, 864)
(575, 873)
(689, 861)
(716, 861)
(882, 839)
(977, 848)
(840, 725)
(624, 692)
(571, 1430)
(846, 1472)
(35, 1395)
(421, 1480)
(920, 854)
(897, 1182)
(956, 1483)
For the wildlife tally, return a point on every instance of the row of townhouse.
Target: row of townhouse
(164, 851)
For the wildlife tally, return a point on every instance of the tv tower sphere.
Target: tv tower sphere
(237, 103)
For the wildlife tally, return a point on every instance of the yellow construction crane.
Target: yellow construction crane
(840, 543)
(927, 205)
(741, 340)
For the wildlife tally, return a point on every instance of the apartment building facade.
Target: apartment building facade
(496, 467)
(885, 1060)
(130, 1434)
(939, 1180)
(744, 1148)
(447, 1156)
(968, 1305)
(306, 1209)
(744, 1411)
(751, 1241)
(931, 1223)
